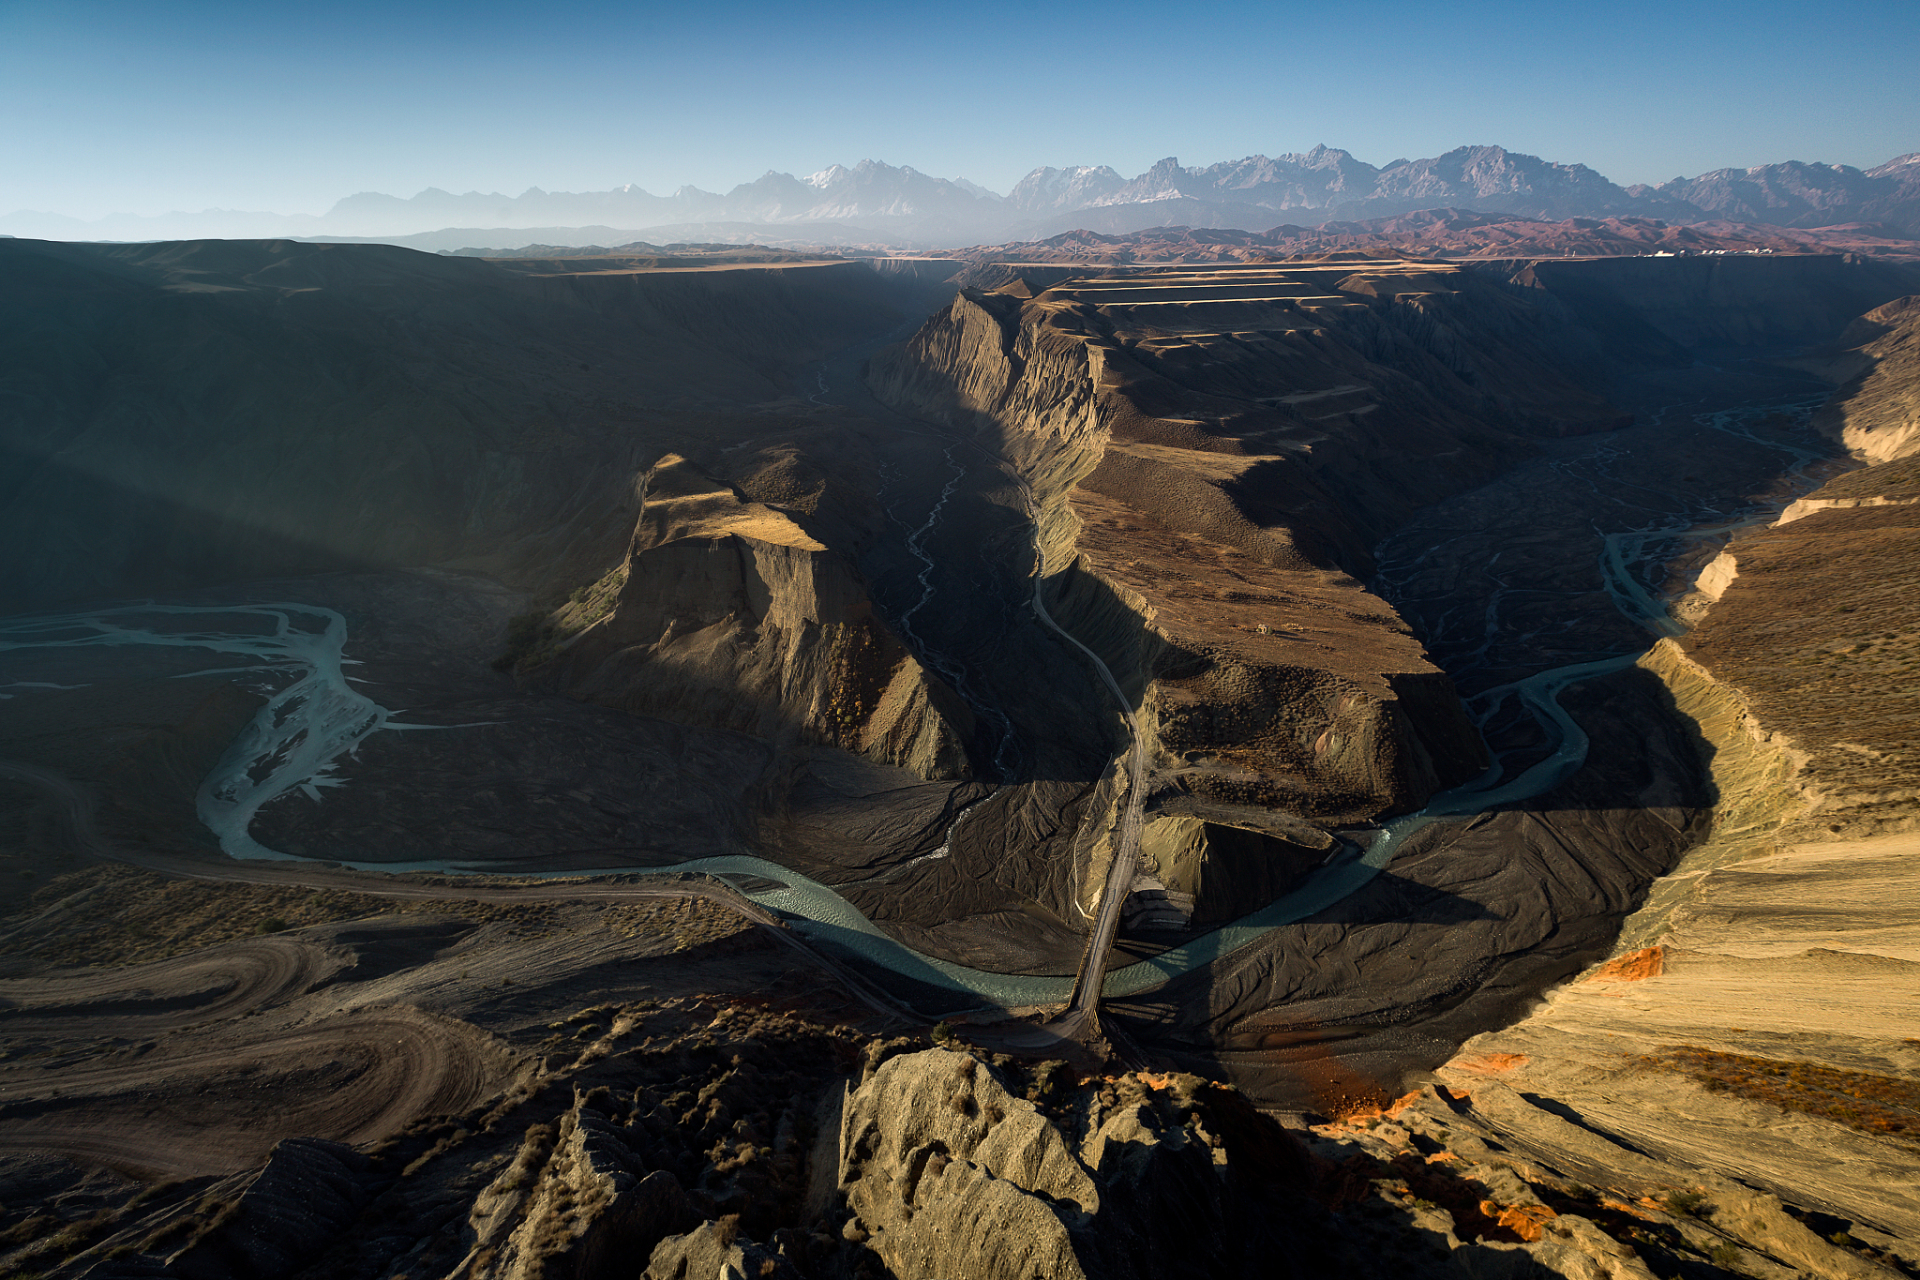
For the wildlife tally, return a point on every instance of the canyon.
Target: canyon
(1070, 763)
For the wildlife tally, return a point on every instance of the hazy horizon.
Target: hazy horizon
(116, 108)
(722, 190)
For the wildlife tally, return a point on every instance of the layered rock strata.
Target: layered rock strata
(1755, 1022)
(1209, 454)
(1876, 413)
(729, 613)
(681, 1138)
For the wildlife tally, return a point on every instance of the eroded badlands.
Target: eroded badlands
(928, 768)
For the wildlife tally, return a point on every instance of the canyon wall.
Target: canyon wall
(1876, 413)
(1651, 309)
(1812, 624)
(1755, 1021)
(1209, 455)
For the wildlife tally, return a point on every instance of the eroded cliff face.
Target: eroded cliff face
(1755, 1021)
(1876, 413)
(941, 1162)
(728, 613)
(943, 1168)
(1211, 544)
(1811, 620)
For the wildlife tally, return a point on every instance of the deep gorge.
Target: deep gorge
(767, 543)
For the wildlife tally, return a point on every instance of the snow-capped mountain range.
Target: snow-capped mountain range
(872, 202)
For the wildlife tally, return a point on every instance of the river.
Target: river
(316, 719)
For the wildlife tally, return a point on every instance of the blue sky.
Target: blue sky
(113, 106)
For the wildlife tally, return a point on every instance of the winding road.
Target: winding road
(356, 1077)
(1090, 981)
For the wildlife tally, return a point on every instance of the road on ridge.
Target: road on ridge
(1092, 974)
(841, 383)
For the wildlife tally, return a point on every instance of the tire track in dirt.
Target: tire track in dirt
(219, 1103)
(219, 983)
(78, 807)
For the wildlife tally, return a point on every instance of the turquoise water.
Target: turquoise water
(302, 734)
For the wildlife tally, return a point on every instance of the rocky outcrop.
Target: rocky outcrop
(950, 1165)
(687, 1142)
(1804, 507)
(946, 1169)
(939, 1161)
(1719, 573)
(729, 613)
(574, 1204)
(713, 1249)
(699, 1158)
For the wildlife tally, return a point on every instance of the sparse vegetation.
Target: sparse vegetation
(690, 922)
(534, 637)
(524, 633)
(1049, 1077)
(1686, 1204)
(1725, 1256)
(1881, 1105)
(859, 676)
(28, 1229)
(44, 1238)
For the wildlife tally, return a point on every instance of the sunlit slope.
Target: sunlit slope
(1760, 1008)
(728, 612)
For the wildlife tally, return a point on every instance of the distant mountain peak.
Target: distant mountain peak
(877, 203)
(975, 189)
